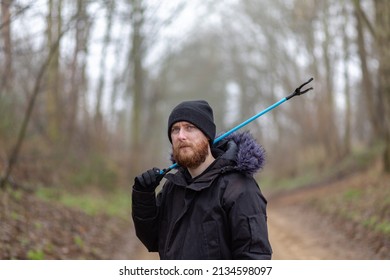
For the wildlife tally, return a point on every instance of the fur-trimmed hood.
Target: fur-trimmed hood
(246, 154)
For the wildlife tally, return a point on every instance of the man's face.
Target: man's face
(190, 146)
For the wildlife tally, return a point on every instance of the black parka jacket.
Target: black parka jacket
(221, 214)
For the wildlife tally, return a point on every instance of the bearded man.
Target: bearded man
(212, 207)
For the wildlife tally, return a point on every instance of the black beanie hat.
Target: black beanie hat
(197, 112)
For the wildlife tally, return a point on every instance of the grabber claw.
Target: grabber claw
(298, 91)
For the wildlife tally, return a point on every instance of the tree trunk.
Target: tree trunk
(78, 80)
(367, 84)
(347, 93)
(6, 80)
(331, 132)
(99, 127)
(382, 31)
(53, 73)
(137, 51)
(74, 87)
(22, 132)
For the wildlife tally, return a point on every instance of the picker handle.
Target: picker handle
(297, 91)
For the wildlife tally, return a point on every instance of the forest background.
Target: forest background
(86, 88)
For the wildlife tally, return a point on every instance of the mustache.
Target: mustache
(184, 145)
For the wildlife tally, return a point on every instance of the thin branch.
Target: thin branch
(18, 13)
(15, 151)
(364, 17)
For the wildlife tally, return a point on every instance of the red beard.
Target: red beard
(190, 155)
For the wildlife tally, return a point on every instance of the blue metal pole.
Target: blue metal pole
(216, 140)
(249, 120)
(295, 93)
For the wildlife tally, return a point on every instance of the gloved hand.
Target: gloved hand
(148, 181)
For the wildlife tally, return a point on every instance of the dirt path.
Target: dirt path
(132, 249)
(298, 233)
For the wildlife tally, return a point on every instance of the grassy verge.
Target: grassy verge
(363, 200)
(311, 175)
(39, 226)
(93, 202)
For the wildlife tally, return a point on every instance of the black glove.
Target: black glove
(148, 181)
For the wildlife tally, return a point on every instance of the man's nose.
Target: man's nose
(182, 134)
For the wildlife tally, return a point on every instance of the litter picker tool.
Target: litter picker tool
(298, 91)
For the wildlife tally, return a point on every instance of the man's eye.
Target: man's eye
(190, 127)
(175, 130)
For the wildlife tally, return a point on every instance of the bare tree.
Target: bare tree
(7, 76)
(54, 26)
(99, 126)
(382, 31)
(136, 61)
(34, 94)
(371, 99)
(78, 64)
(347, 84)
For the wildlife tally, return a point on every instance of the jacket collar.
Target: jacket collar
(182, 178)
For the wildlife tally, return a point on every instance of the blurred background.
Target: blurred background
(86, 87)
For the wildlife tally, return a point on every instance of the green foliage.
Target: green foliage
(287, 183)
(94, 171)
(352, 194)
(48, 194)
(362, 158)
(365, 202)
(317, 171)
(38, 225)
(115, 204)
(15, 216)
(375, 223)
(35, 254)
(78, 241)
(384, 227)
(7, 121)
(16, 194)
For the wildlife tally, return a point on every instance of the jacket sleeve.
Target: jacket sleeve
(246, 208)
(145, 218)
